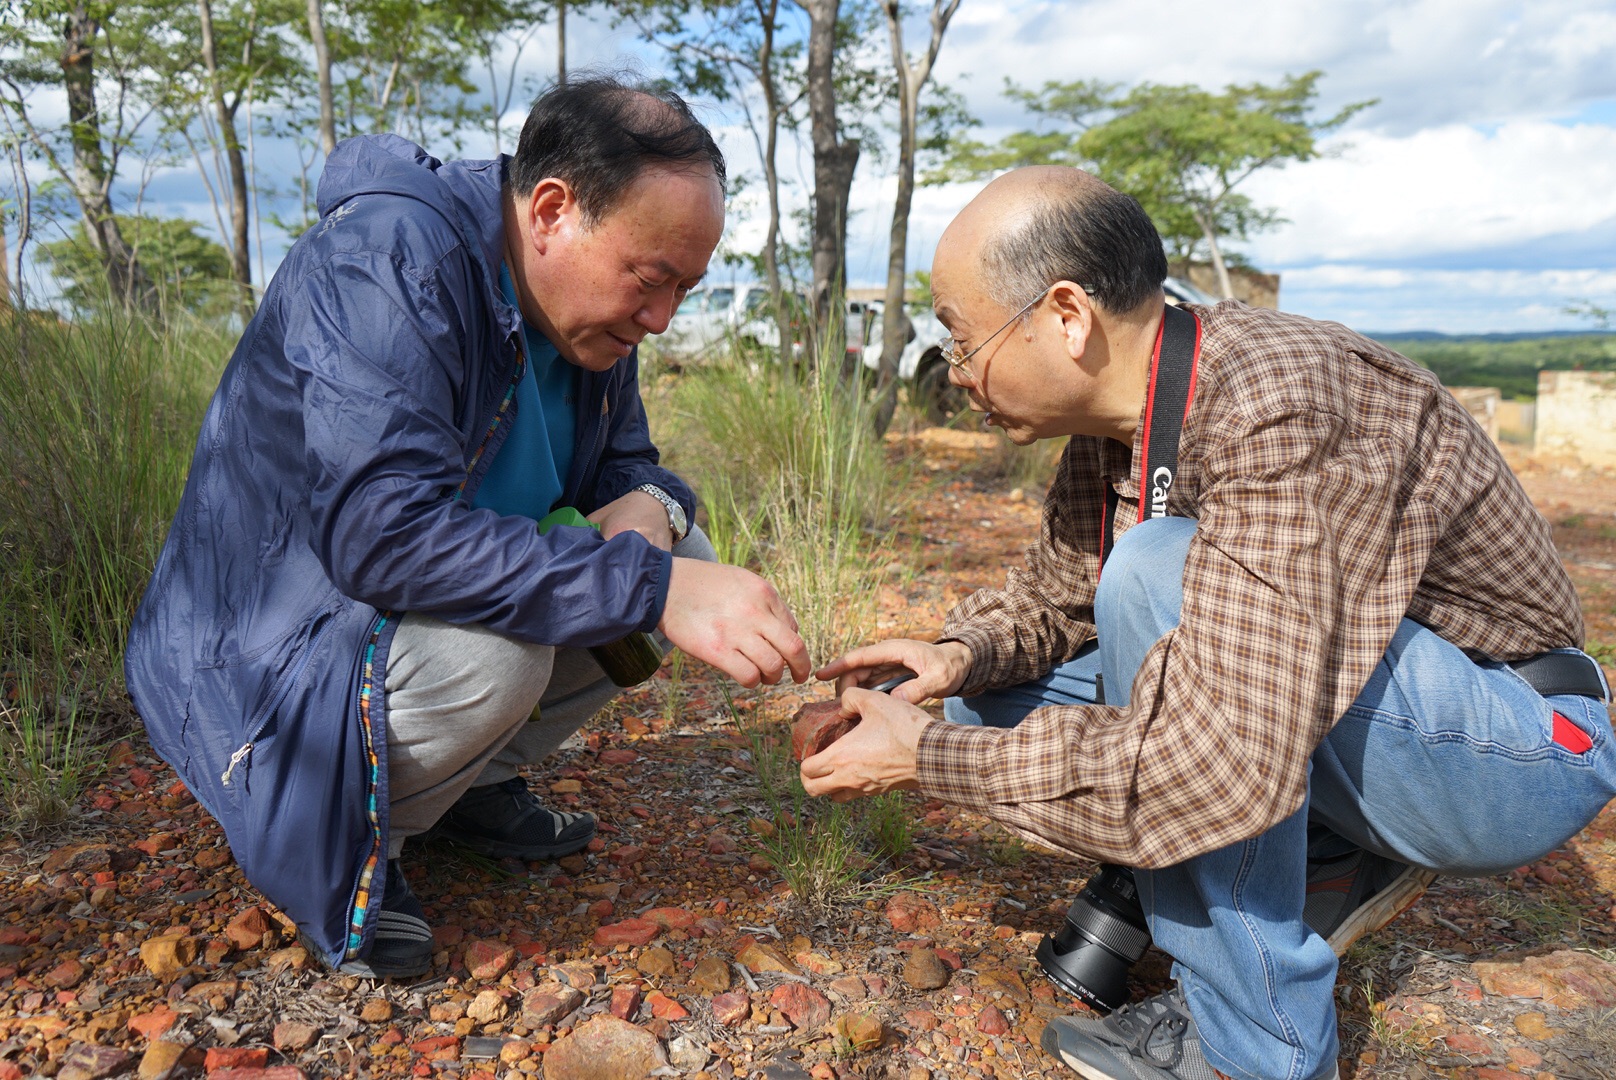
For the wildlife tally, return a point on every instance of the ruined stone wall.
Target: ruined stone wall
(1576, 416)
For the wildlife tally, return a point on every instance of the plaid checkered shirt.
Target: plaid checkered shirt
(1337, 488)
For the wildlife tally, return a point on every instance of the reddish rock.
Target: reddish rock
(64, 976)
(293, 1036)
(990, 1021)
(488, 960)
(89, 859)
(275, 1072)
(817, 725)
(166, 957)
(618, 757)
(152, 1024)
(447, 936)
(850, 987)
(212, 858)
(760, 957)
(925, 971)
(604, 1048)
(862, 1031)
(711, 975)
(627, 932)
(732, 1009)
(85, 1062)
(805, 1007)
(909, 912)
(672, 918)
(160, 1060)
(625, 1002)
(236, 1057)
(546, 1005)
(247, 930)
(376, 1011)
(664, 1007)
(625, 856)
(921, 1019)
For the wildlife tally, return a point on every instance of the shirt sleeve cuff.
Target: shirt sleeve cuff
(952, 762)
(980, 642)
(659, 600)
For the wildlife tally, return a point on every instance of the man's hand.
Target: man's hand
(876, 756)
(733, 620)
(940, 670)
(636, 512)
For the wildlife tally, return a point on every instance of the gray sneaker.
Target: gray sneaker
(1356, 893)
(506, 821)
(1154, 1039)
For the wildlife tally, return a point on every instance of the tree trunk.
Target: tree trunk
(5, 270)
(911, 79)
(767, 13)
(1211, 234)
(835, 159)
(322, 67)
(91, 186)
(240, 253)
(561, 42)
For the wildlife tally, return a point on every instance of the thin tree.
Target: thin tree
(912, 77)
(225, 118)
(835, 159)
(322, 70)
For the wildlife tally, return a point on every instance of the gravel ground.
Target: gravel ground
(131, 944)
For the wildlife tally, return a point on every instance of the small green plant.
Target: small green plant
(45, 758)
(818, 850)
(1004, 848)
(1602, 651)
(890, 822)
(673, 687)
(1545, 917)
(1399, 1042)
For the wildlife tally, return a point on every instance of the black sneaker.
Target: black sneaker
(1356, 893)
(402, 946)
(1154, 1039)
(505, 821)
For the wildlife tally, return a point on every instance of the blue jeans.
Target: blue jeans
(1440, 762)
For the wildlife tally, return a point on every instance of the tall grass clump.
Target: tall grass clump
(97, 421)
(794, 483)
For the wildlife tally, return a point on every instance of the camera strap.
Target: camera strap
(1173, 366)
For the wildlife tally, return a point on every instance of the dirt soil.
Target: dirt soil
(133, 945)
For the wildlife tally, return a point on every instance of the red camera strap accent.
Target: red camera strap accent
(1174, 365)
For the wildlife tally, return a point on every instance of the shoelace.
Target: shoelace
(1130, 1022)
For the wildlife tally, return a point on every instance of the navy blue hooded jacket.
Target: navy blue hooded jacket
(328, 495)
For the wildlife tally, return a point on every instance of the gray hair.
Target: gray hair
(1087, 233)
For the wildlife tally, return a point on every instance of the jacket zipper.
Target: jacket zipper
(367, 691)
(256, 726)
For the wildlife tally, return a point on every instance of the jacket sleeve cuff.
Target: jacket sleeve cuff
(952, 763)
(659, 600)
(980, 642)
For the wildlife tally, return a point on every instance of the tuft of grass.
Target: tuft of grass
(1397, 1042)
(1604, 652)
(890, 822)
(1004, 848)
(793, 484)
(1546, 917)
(1028, 467)
(817, 849)
(97, 422)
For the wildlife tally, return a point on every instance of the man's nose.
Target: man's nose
(959, 378)
(657, 311)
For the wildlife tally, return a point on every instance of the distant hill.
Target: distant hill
(1508, 361)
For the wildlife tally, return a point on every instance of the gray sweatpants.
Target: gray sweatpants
(461, 708)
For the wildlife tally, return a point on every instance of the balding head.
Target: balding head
(1035, 226)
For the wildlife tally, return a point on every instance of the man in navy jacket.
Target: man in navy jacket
(347, 630)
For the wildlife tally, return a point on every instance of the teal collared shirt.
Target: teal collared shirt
(529, 473)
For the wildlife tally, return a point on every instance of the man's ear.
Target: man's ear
(1076, 312)
(552, 210)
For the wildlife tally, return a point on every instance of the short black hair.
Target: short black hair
(1088, 233)
(599, 133)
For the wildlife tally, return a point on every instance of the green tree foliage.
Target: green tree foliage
(189, 271)
(1599, 315)
(1182, 151)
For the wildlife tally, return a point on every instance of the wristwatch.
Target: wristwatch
(676, 513)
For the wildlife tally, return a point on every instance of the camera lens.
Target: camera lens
(1104, 935)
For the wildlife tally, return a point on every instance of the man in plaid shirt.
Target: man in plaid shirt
(1341, 656)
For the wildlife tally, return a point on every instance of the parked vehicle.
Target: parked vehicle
(713, 318)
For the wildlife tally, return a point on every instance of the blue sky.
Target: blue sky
(1479, 195)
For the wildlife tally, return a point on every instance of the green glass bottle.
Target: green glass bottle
(633, 659)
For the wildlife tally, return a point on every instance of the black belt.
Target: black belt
(1561, 673)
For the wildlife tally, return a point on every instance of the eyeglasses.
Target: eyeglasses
(960, 362)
